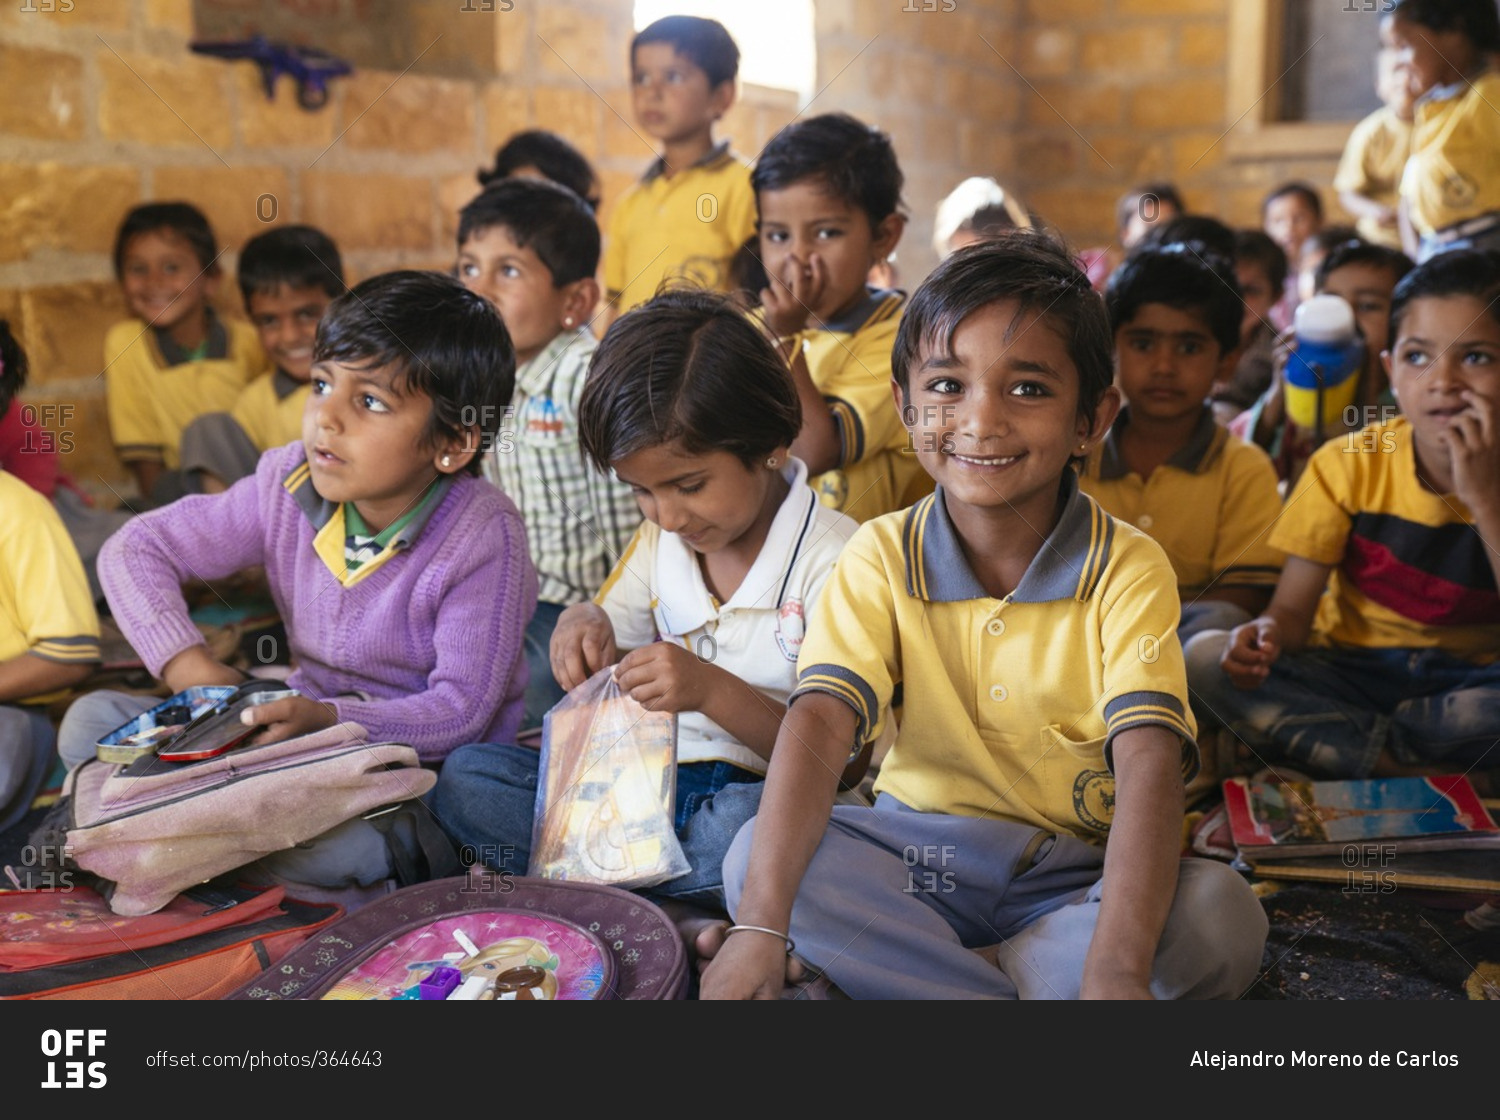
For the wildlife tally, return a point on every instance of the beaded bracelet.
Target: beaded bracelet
(790, 944)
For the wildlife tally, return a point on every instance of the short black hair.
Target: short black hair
(687, 366)
(703, 42)
(291, 257)
(747, 272)
(550, 154)
(1302, 190)
(446, 342)
(853, 161)
(13, 367)
(1477, 20)
(1185, 277)
(545, 217)
(1129, 203)
(1458, 272)
(1257, 247)
(1027, 266)
(181, 218)
(1359, 251)
(1187, 229)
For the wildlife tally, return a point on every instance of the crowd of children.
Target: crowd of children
(1020, 534)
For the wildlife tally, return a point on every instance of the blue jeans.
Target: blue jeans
(1332, 712)
(542, 690)
(485, 799)
(1209, 614)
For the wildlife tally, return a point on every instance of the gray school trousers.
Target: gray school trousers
(894, 901)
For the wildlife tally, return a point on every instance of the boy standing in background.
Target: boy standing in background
(692, 210)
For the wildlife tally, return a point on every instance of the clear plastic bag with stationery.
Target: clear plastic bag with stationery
(606, 788)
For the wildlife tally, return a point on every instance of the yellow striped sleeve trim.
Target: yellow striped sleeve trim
(618, 570)
(299, 475)
(851, 430)
(915, 531)
(70, 650)
(1098, 552)
(813, 681)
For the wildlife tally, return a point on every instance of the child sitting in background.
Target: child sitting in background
(1364, 276)
(1012, 609)
(531, 248)
(175, 359)
(1378, 654)
(732, 556)
(976, 209)
(1207, 497)
(828, 191)
(535, 153)
(1314, 250)
(29, 451)
(1291, 214)
(402, 577)
(1137, 212)
(1260, 273)
(287, 278)
(1368, 178)
(49, 638)
(1450, 187)
(682, 81)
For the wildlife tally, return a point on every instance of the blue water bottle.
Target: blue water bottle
(1322, 374)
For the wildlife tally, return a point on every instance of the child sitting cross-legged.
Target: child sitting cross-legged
(1377, 656)
(1167, 466)
(402, 577)
(1011, 608)
(731, 558)
(531, 248)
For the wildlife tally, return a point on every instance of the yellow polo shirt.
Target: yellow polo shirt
(1010, 704)
(682, 227)
(150, 402)
(1454, 170)
(270, 408)
(1210, 506)
(1373, 159)
(45, 605)
(850, 363)
(1409, 569)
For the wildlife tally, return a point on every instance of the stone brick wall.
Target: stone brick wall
(105, 107)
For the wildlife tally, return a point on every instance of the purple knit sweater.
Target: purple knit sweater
(433, 637)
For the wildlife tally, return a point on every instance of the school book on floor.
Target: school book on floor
(1289, 820)
(1370, 868)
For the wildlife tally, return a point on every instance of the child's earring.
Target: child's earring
(1083, 449)
(772, 462)
(447, 460)
(567, 321)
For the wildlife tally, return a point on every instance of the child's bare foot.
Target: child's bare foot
(704, 935)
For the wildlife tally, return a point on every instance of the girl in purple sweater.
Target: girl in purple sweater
(402, 578)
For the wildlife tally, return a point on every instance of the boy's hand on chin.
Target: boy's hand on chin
(664, 677)
(288, 718)
(1474, 452)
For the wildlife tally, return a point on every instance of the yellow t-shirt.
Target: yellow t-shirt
(45, 605)
(1409, 569)
(1210, 506)
(1454, 170)
(268, 419)
(1009, 704)
(850, 363)
(1371, 165)
(150, 403)
(683, 227)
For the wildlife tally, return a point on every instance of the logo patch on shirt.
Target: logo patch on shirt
(1094, 799)
(541, 419)
(833, 489)
(791, 626)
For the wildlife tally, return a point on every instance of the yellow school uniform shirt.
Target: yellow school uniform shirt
(1210, 506)
(1010, 704)
(1410, 571)
(1371, 165)
(150, 403)
(684, 227)
(849, 360)
(45, 605)
(267, 417)
(1453, 173)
